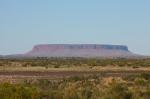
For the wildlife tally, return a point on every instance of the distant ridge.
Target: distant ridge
(80, 50)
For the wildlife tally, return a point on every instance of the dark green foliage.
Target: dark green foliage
(56, 66)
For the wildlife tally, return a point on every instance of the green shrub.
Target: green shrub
(117, 91)
(9, 91)
(56, 66)
(140, 81)
(145, 76)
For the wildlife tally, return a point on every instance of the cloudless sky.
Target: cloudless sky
(25, 23)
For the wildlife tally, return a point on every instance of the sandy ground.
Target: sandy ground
(63, 74)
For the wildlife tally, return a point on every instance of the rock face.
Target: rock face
(79, 50)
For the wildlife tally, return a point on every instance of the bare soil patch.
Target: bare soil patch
(63, 74)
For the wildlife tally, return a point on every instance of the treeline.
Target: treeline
(91, 87)
(57, 62)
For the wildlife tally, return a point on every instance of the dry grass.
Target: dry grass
(77, 68)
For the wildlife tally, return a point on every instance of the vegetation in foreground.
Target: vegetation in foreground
(70, 62)
(91, 87)
(83, 87)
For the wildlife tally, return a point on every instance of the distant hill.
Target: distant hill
(1, 56)
(80, 50)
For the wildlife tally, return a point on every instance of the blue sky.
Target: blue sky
(24, 23)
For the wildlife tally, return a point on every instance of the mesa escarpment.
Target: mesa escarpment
(79, 50)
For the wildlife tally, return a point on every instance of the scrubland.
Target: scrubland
(74, 78)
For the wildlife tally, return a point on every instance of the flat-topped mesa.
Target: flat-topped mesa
(46, 47)
(79, 50)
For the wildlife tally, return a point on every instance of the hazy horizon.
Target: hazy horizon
(24, 24)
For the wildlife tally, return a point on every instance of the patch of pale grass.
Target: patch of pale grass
(117, 68)
(74, 68)
(42, 69)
